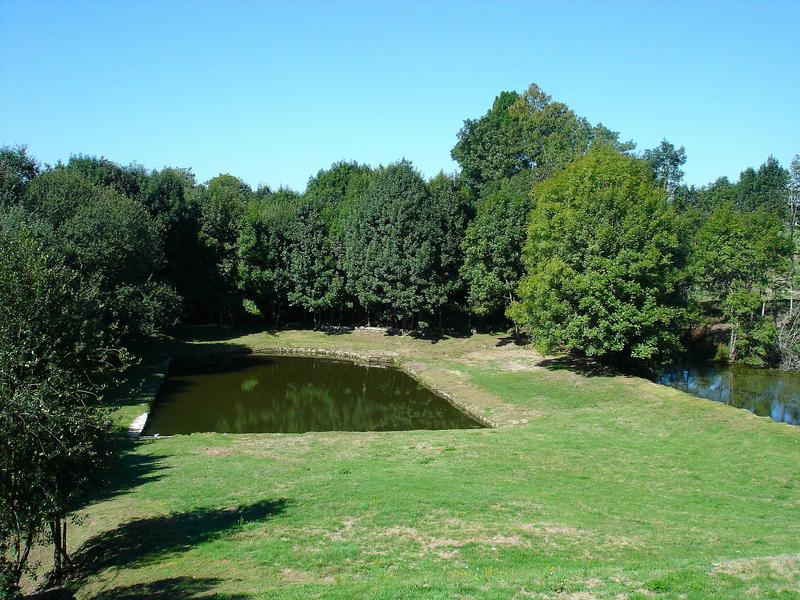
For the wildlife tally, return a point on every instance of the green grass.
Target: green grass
(590, 486)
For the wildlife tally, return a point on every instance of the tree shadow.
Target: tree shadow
(518, 340)
(583, 366)
(187, 588)
(130, 470)
(216, 333)
(336, 329)
(434, 336)
(145, 541)
(51, 594)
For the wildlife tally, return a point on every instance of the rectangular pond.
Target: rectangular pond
(293, 394)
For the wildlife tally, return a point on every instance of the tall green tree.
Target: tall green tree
(390, 254)
(666, 161)
(17, 169)
(452, 209)
(764, 188)
(315, 281)
(604, 265)
(102, 172)
(222, 205)
(264, 250)
(56, 351)
(525, 132)
(736, 258)
(492, 246)
(169, 196)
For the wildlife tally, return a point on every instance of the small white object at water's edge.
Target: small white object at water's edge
(136, 428)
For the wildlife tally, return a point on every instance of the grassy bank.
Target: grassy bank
(588, 486)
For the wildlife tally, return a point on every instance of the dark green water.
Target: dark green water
(766, 392)
(289, 394)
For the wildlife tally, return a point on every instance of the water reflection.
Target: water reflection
(294, 395)
(766, 392)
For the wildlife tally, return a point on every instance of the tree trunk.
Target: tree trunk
(58, 529)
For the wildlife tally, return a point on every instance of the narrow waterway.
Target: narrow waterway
(766, 392)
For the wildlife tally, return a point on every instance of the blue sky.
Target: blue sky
(272, 92)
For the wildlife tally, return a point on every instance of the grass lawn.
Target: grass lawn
(589, 486)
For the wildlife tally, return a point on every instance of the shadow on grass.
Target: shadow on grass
(145, 541)
(336, 329)
(184, 588)
(519, 340)
(583, 366)
(434, 336)
(129, 471)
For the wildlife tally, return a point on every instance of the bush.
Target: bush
(723, 354)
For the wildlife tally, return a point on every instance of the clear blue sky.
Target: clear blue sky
(272, 92)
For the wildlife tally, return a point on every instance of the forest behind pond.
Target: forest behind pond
(552, 224)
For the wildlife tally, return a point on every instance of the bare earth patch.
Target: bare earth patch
(784, 567)
(295, 576)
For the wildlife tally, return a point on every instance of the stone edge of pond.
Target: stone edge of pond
(137, 426)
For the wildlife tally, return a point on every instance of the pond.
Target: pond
(292, 394)
(766, 392)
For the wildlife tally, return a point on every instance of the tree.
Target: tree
(735, 257)
(168, 195)
(765, 188)
(706, 199)
(666, 161)
(55, 194)
(794, 204)
(603, 264)
(55, 354)
(522, 132)
(263, 251)
(102, 172)
(114, 238)
(452, 210)
(315, 282)
(389, 252)
(17, 169)
(492, 246)
(222, 204)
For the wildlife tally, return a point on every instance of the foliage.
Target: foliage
(525, 132)
(451, 211)
(390, 247)
(54, 346)
(735, 258)
(788, 343)
(764, 188)
(604, 267)
(315, 282)
(666, 161)
(221, 207)
(17, 169)
(263, 253)
(492, 246)
(102, 172)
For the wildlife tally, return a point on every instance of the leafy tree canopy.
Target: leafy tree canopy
(604, 266)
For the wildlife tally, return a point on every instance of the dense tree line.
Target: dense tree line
(552, 224)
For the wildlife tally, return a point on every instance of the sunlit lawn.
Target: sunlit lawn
(590, 486)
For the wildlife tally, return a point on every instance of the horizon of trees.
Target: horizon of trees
(552, 225)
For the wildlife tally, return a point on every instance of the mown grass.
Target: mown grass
(590, 486)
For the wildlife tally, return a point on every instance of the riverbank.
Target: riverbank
(590, 485)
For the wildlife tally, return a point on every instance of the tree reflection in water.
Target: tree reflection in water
(290, 394)
(765, 392)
